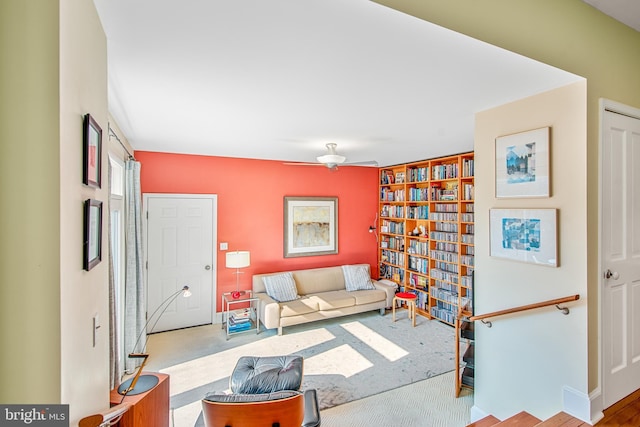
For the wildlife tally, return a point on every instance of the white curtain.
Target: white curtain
(135, 302)
(114, 350)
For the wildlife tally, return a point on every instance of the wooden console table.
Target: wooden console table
(150, 408)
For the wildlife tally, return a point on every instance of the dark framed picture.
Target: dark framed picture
(92, 152)
(92, 247)
(310, 226)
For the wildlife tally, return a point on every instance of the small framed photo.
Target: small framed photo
(92, 247)
(526, 235)
(522, 164)
(310, 226)
(92, 152)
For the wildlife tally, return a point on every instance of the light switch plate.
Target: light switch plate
(96, 326)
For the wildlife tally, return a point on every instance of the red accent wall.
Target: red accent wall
(251, 202)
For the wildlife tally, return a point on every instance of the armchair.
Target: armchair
(265, 393)
(279, 409)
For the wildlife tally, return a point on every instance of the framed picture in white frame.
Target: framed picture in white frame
(310, 226)
(526, 235)
(522, 164)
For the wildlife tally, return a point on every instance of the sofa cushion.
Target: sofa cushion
(298, 307)
(281, 287)
(316, 280)
(368, 297)
(333, 300)
(357, 277)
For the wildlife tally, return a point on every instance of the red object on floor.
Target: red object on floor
(406, 295)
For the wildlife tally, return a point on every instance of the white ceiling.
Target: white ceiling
(279, 79)
(625, 11)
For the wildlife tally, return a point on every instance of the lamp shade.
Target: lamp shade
(238, 259)
(331, 158)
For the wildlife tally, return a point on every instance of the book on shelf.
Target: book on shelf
(242, 313)
(242, 326)
(241, 321)
(386, 177)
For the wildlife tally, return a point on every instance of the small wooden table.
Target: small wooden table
(150, 408)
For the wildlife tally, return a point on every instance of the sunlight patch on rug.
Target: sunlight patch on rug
(376, 341)
(209, 369)
(343, 360)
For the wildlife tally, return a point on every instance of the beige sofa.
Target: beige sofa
(322, 295)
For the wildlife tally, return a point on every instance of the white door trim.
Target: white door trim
(616, 107)
(145, 230)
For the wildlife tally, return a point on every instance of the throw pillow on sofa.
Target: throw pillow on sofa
(357, 278)
(281, 287)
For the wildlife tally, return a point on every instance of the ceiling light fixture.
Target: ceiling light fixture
(333, 158)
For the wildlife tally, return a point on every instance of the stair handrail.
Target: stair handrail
(556, 302)
(107, 417)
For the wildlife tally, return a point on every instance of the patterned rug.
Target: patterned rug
(345, 359)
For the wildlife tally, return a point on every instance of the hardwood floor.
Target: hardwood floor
(625, 413)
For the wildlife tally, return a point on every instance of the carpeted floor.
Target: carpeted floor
(426, 403)
(346, 359)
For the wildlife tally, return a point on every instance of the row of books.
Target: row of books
(240, 320)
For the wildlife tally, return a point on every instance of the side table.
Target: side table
(248, 320)
(150, 408)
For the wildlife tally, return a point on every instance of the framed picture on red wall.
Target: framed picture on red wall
(310, 226)
(92, 152)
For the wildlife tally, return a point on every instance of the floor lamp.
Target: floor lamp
(141, 383)
(238, 260)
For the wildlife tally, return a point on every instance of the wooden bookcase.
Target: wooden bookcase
(426, 232)
(465, 352)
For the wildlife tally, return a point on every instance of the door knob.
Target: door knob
(611, 275)
(207, 267)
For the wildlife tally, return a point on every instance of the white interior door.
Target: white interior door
(181, 236)
(620, 256)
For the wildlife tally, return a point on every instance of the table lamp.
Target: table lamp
(141, 383)
(238, 260)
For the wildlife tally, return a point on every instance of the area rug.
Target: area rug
(345, 359)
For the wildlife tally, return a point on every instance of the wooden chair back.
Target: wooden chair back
(287, 412)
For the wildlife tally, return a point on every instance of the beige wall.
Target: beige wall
(544, 350)
(574, 37)
(54, 72)
(83, 89)
(30, 346)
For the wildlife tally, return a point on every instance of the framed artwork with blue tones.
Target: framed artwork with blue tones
(522, 164)
(526, 235)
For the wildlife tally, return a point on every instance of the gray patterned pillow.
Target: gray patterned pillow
(357, 278)
(281, 287)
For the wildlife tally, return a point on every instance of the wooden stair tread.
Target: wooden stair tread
(525, 419)
(562, 419)
(521, 419)
(487, 421)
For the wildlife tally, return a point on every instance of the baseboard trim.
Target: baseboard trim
(477, 414)
(597, 411)
(581, 405)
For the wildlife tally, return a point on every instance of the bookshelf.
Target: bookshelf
(426, 232)
(465, 352)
